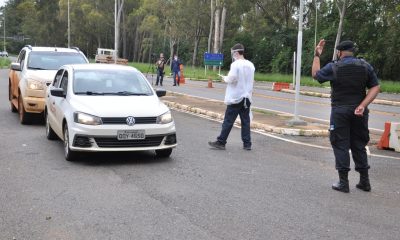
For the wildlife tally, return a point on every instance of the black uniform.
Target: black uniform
(160, 71)
(349, 78)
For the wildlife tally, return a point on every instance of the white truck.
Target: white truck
(105, 55)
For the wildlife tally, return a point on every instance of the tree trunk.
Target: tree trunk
(222, 28)
(217, 30)
(342, 12)
(211, 26)
(196, 42)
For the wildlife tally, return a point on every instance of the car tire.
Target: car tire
(24, 117)
(10, 97)
(50, 134)
(69, 154)
(164, 153)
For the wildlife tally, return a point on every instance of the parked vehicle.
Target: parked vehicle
(3, 54)
(32, 73)
(98, 107)
(105, 55)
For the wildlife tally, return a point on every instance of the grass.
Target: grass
(197, 73)
(4, 62)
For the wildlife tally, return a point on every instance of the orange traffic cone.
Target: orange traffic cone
(209, 83)
(384, 142)
(182, 78)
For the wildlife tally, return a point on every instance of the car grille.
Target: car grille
(112, 142)
(122, 120)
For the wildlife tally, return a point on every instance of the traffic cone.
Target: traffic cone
(182, 78)
(384, 141)
(209, 83)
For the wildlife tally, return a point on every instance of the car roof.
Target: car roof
(50, 49)
(100, 66)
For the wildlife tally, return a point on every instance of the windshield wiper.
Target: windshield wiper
(37, 68)
(127, 93)
(90, 93)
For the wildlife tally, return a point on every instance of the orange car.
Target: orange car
(30, 75)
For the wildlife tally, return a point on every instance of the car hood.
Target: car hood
(42, 75)
(119, 106)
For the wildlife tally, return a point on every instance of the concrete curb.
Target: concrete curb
(254, 125)
(326, 95)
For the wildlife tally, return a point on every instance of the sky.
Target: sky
(2, 2)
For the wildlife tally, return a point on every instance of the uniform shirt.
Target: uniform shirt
(325, 74)
(240, 81)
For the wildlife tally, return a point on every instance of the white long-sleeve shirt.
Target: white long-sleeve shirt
(240, 81)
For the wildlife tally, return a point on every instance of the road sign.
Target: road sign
(213, 59)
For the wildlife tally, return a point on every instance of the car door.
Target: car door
(51, 102)
(60, 104)
(16, 75)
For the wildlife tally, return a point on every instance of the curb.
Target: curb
(326, 95)
(253, 125)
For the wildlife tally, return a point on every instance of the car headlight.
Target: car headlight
(87, 119)
(165, 118)
(35, 85)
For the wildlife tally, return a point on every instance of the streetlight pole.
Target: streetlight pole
(296, 120)
(115, 33)
(69, 29)
(4, 29)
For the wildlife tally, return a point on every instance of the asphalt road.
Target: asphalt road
(310, 107)
(279, 190)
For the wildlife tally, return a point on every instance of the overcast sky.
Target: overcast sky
(2, 2)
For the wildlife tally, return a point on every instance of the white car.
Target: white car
(98, 107)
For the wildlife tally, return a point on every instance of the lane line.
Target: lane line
(281, 138)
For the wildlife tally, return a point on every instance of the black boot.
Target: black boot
(364, 181)
(343, 184)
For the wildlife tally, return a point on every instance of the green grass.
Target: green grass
(4, 62)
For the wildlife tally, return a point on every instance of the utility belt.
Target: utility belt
(244, 103)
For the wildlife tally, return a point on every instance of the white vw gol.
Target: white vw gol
(104, 107)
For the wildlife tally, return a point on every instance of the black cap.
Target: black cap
(346, 46)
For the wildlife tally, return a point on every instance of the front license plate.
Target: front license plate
(130, 134)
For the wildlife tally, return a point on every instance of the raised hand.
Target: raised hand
(319, 48)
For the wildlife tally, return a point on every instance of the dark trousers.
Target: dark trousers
(349, 131)
(231, 113)
(160, 76)
(175, 75)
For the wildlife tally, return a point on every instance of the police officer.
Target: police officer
(349, 78)
(160, 69)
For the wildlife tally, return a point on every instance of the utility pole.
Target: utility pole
(296, 120)
(69, 29)
(4, 29)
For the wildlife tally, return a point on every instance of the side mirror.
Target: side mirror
(16, 66)
(57, 92)
(161, 92)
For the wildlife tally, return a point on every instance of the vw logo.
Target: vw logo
(130, 121)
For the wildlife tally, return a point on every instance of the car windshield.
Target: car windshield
(110, 82)
(53, 60)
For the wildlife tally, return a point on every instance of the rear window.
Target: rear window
(53, 60)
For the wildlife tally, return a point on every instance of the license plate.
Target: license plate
(130, 134)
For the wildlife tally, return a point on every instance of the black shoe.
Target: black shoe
(343, 184)
(248, 148)
(217, 145)
(174, 85)
(364, 181)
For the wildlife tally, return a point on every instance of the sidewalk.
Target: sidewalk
(262, 120)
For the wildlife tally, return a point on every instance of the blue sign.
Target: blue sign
(213, 59)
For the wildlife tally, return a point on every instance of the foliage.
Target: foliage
(267, 28)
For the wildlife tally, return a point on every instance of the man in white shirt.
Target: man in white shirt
(238, 98)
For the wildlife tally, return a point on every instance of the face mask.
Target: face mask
(233, 55)
(176, 58)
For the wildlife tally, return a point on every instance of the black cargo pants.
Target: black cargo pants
(349, 132)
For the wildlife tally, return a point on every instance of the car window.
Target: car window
(110, 81)
(64, 82)
(53, 60)
(57, 78)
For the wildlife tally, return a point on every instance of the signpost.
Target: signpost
(213, 59)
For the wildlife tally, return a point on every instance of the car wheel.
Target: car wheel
(24, 117)
(12, 107)
(50, 134)
(69, 154)
(164, 153)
